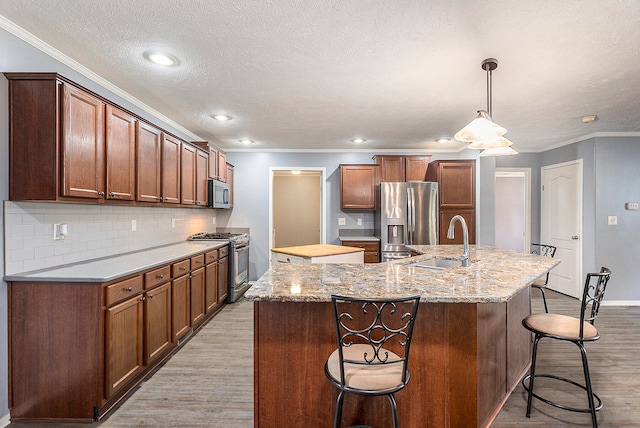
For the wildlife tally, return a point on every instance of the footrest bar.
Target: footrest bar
(558, 405)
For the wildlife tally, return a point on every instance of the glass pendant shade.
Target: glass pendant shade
(498, 151)
(492, 143)
(481, 128)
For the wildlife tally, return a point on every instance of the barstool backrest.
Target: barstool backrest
(543, 250)
(594, 288)
(383, 326)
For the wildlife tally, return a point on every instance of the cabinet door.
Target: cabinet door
(188, 175)
(123, 344)
(157, 324)
(197, 296)
(148, 143)
(213, 163)
(358, 186)
(211, 287)
(120, 147)
(446, 216)
(180, 307)
(170, 169)
(415, 168)
(393, 168)
(202, 177)
(222, 166)
(223, 279)
(457, 184)
(82, 145)
(230, 172)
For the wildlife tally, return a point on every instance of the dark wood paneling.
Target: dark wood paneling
(518, 338)
(492, 358)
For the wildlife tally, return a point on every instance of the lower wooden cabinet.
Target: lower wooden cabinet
(211, 282)
(371, 249)
(76, 349)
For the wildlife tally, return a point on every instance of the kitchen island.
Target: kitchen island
(468, 350)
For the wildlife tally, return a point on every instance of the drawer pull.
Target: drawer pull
(128, 289)
(198, 262)
(183, 268)
(142, 299)
(159, 276)
(151, 296)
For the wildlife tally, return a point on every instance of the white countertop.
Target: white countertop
(111, 268)
(358, 238)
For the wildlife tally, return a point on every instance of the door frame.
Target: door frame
(579, 285)
(506, 172)
(323, 199)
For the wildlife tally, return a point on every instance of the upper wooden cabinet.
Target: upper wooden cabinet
(402, 168)
(188, 174)
(202, 177)
(222, 166)
(69, 144)
(457, 195)
(358, 186)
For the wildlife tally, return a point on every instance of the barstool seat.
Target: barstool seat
(560, 327)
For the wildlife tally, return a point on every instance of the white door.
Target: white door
(512, 209)
(561, 224)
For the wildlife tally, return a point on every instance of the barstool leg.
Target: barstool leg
(532, 374)
(338, 418)
(394, 410)
(544, 299)
(587, 381)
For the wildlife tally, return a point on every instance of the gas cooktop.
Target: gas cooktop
(212, 236)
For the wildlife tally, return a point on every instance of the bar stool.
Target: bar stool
(571, 329)
(541, 283)
(373, 337)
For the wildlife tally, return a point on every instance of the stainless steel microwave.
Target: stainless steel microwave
(219, 194)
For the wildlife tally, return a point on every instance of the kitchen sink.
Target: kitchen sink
(437, 263)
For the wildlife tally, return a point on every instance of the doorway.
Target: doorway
(513, 208)
(561, 224)
(297, 201)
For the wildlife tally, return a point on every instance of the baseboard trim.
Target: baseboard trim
(620, 303)
(5, 420)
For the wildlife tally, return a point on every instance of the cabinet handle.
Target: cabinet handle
(128, 289)
(112, 194)
(183, 268)
(198, 262)
(159, 276)
(100, 193)
(160, 198)
(142, 299)
(151, 296)
(190, 276)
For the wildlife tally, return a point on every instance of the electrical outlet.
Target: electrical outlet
(173, 222)
(631, 205)
(359, 222)
(342, 221)
(612, 220)
(134, 224)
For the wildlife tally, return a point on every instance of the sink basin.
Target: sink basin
(437, 263)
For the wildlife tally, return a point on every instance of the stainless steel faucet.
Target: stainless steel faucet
(465, 237)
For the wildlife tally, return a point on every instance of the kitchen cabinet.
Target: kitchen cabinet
(216, 158)
(188, 174)
(202, 177)
(224, 274)
(180, 299)
(230, 172)
(396, 168)
(211, 281)
(457, 195)
(358, 186)
(88, 149)
(196, 287)
(371, 249)
(120, 148)
(222, 166)
(157, 321)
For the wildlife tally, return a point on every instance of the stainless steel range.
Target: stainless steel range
(238, 260)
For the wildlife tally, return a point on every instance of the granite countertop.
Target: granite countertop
(111, 268)
(494, 276)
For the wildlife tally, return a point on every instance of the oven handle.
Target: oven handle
(240, 249)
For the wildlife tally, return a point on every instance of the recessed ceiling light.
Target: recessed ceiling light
(296, 172)
(222, 117)
(246, 141)
(589, 118)
(443, 140)
(161, 58)
(358, 140)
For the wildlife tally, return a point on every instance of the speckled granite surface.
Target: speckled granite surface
(495, 275)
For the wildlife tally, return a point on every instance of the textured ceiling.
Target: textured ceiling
(299, 74)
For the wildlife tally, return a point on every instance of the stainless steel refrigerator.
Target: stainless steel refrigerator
(407, 214)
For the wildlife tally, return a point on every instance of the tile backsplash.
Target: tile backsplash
(94, 231)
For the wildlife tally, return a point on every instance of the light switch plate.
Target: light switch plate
(612, 220)
(342, 221)
(359, 222)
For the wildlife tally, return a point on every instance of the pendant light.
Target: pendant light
(482, 132)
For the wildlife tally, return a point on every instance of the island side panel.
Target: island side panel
(518, 338)
(292, 343)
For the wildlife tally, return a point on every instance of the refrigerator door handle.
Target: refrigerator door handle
(411, 215)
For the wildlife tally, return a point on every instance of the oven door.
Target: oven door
(241, 267)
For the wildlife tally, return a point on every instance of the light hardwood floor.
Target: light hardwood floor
(209, 383)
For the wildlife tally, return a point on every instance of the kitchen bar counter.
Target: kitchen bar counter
(109, 268)
(468, 350)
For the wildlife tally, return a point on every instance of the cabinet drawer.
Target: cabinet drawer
(123, 289)
(180, 268)
(211, 256)
(223, 252)
(366, 245)
(371, 257)
(197, 262)
(156, 277)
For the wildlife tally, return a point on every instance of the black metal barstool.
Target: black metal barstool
(374, 337)
(571, 329)
(541, 284)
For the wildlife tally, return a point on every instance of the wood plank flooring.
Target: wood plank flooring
(209, 382)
